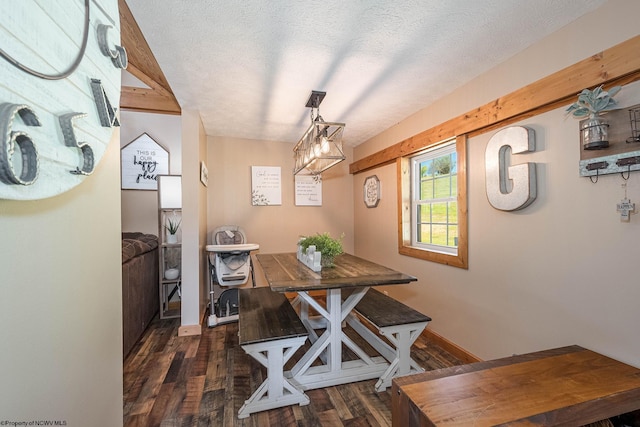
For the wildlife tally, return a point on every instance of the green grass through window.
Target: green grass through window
(438, 209)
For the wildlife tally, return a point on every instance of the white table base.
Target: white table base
(328, 346)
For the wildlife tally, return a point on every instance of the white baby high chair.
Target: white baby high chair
(229, 265)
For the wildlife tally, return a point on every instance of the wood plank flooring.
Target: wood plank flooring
(173, 381)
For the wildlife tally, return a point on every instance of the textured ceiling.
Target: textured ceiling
(249, 66)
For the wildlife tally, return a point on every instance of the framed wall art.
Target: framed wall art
(142, 160)
(371, 191)
(266, 186)
(308, 190)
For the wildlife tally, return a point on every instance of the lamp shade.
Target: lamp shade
(170, 191)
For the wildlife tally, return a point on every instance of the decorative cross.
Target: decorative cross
(625, 207)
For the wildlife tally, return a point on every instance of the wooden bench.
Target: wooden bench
(567, 386)
(400, 324)
(270, 331)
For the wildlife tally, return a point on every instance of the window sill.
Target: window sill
(459, 260)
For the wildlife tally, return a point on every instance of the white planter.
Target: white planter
(310, 258)
(172, 238)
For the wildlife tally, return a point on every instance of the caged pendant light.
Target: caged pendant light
(321, 145)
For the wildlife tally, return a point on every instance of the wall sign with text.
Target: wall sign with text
(59, 92)
(266, 186)
(142, 160)
(308, 190)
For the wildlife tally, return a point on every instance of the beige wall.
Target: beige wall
(560, 271)
(61, 304)
(140, 207)
(202, 222)
(274, 228)
(194, 213)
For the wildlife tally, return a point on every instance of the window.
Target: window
(434, 222)
(434, 200)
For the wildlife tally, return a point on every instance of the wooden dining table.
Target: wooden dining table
(323, 363)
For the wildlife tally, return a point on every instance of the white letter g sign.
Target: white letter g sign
(510, 188)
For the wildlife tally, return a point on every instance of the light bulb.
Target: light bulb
(318, 149)
(325, 145)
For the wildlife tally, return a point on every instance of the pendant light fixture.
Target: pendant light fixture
(321, 145)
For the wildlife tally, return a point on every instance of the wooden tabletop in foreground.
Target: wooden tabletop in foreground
(569, 386)
(285, 273)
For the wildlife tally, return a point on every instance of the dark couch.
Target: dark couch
(140, 288)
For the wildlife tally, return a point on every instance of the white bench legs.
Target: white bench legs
(276, 391)
(402, 338)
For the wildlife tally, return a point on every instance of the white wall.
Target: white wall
(61, 303)
(140, 207)
(560, 271)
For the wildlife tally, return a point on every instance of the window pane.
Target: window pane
(424, 213)
(439, 235)
(426, 189)
(453, 236)
(439, 213)
(426, 169)
(453, 213)
(443, 187)
(424, 233)
(442, 165)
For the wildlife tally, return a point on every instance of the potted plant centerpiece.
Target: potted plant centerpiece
(594, 132)
(325, 244)
(172, 226)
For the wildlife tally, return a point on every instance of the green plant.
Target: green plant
(324, 243)
(593, 102)
(172, 225)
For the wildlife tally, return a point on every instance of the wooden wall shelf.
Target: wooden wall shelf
(621, 156)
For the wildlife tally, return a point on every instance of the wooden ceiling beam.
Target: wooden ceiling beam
(143, 65)
(617, 65)
(146, 100)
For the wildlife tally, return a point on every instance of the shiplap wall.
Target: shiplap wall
(46, 36)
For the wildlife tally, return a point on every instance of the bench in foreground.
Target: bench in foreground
(568, 386)
(270, 331)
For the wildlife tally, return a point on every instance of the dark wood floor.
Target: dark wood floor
(204, 380)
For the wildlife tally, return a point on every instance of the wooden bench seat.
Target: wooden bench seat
(567, 386)
(270, 331)
(399, 323)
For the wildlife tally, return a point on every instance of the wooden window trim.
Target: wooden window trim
(404, 211)
(618, 65)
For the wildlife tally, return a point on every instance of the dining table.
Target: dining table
(325, 299)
